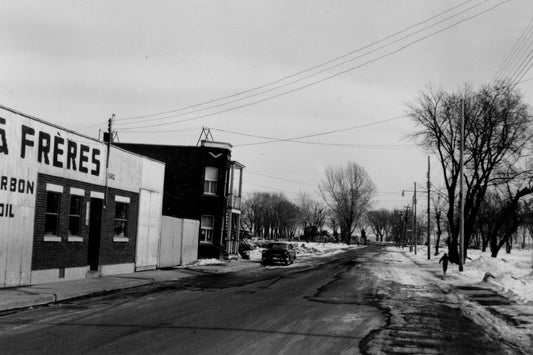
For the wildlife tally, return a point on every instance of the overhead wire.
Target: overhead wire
(327, 77)
(278, 178)
(296, 139)
(523, 69)
(519, 60)
(324, 132)
(317, 73)
(517, 47)
(300, 72)
(516, 73)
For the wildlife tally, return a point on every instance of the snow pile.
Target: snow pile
(206, 262)
(308, 249)
(322, 249)
(511, 274)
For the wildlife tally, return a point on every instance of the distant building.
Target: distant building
(204, 184)
(63, 215)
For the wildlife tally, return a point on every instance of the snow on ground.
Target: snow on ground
(396, 266)
(510, 274)
(305, 250)
(206, 262)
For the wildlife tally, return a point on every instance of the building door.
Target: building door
(95, 227)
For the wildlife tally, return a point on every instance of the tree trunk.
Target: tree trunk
(438, 241)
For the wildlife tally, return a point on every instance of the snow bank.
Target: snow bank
(511, 274)
(205, 262)
(304, 250)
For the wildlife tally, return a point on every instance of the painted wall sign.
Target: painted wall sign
(50, 149)
(29, 147)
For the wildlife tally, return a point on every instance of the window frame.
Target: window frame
(210, 185)
(124, 234)
(52, 214)
(76, 216)
(207, 236)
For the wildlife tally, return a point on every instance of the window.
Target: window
(74, 223)
(51, 221)
(121, 219)
(210, 182)
(207, 225)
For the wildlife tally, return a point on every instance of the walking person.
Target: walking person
(444, 261)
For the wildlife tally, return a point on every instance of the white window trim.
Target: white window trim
(95, 194)
(212, 229)
(75, 239)
(51, 238)
(77, 192)
(54, 188)
(213, 180)
(123, 199)
(121, 239)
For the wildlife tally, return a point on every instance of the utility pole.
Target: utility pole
(429, 216)
(415, 236)
(109, 138)
(405, 228)
(461, 182)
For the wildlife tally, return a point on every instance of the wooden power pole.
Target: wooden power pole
(429, 216)
(461, 187)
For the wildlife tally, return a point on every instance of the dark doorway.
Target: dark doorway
(95, 226)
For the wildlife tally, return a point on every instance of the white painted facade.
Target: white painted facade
(28, 147)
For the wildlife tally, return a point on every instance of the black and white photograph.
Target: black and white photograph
(266, 177)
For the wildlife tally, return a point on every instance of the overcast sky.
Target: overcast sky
(275, 68)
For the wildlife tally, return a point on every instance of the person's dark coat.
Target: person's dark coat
(444, 261)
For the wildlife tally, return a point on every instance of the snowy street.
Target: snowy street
(427, 308)
(370, 300)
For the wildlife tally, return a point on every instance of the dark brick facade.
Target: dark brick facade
(66, 254)
(184, 185)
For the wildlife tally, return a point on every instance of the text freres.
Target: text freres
(55, 151)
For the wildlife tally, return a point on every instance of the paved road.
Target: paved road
(336, 307)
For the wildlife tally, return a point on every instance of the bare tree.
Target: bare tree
(333, 222)
(439, 205)
(312, 216)
(380, 221)
(508, 216)
(497, 131)
(347, 192)
(270, 215)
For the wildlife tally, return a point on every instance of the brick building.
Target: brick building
(204, 184)
(68, 209)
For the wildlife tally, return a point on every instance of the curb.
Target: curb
(42, 294)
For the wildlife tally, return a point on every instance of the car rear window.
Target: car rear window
(278, 246)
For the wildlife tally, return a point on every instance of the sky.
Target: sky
(342, 72)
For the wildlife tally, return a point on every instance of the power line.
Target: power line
(347, 145)
(521, 71)
(300, 72)
(316, 134)
(325, 78)
(317, 73)
(524, 80)
(296, 139)
(515, 49)
(278, 178)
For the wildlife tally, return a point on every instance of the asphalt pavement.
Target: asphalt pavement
(14, 298)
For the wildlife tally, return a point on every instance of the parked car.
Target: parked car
(279, 252)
